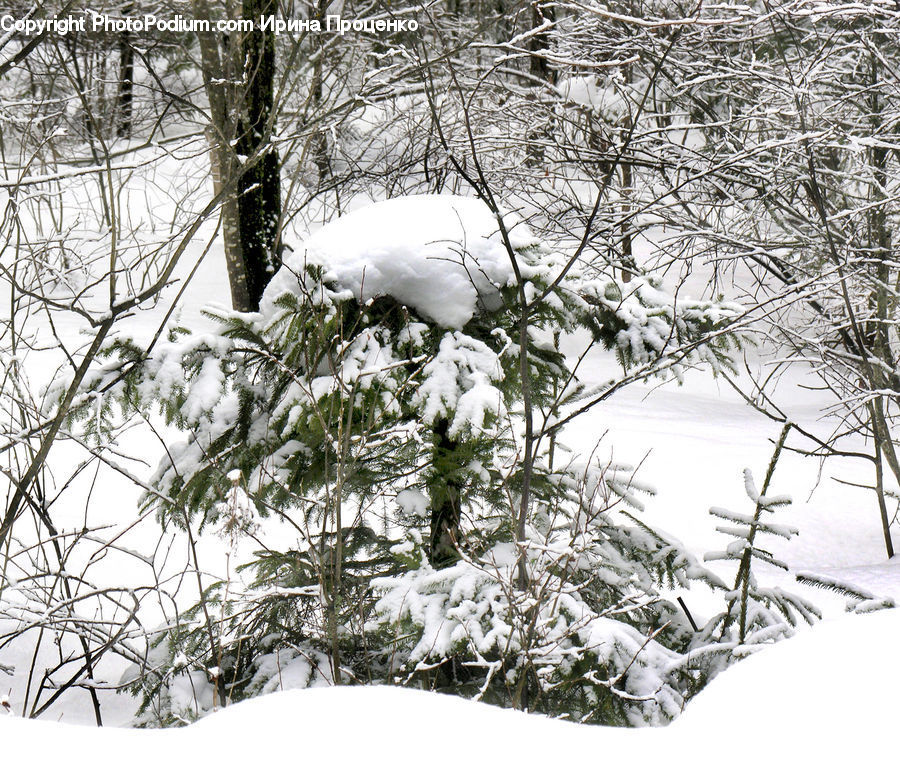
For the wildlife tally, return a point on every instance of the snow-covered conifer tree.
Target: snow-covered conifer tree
(372, 404)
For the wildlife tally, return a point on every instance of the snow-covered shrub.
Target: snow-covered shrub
(373, 398)
(174, 688)
(588, 633)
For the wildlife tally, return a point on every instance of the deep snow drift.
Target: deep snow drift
(822, 700)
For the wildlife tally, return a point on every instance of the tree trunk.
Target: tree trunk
(220, 65)
(538, 64)
(259, 185)
(126, 85)
(445, 489)
(224, 172)
(239, 78)
(883, 305)
(317, 97)
(539, 68)
(125, 97)
(627, 258)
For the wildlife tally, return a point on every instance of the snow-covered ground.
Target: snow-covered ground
(824, 700)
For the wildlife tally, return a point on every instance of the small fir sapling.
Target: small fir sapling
(754, 614)
(757, 616)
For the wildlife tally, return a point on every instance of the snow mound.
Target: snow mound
(825, 699)
(828, 685)
(439, 254)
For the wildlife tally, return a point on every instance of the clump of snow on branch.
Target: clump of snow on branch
(603, 98)
(413, 502)
(442, 255)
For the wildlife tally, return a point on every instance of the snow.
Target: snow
(413, 502)
(440, 254)
(829, 692)
(457, 383)
(605, 100)
(824, 700)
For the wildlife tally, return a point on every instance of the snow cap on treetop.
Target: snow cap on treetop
(438, 254)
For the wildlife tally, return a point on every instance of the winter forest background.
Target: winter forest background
(543, 354)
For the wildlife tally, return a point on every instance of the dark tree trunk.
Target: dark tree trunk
(259, 185)
(541, 136)
(628, 265)
(538, 64)
(445, 489)
(126, 85)
(320, 142)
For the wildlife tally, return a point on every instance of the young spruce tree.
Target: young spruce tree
(372, 405)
